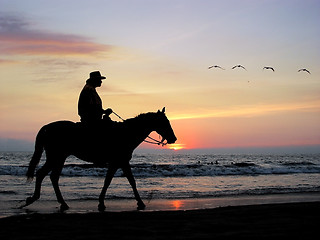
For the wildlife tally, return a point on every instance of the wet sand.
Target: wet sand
(251, 221)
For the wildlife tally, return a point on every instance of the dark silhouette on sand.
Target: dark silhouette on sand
(239, 66)
(110, 146)
(216, 66)
(304, 70)
(271, 68)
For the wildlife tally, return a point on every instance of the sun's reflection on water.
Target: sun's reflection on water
(177, 204)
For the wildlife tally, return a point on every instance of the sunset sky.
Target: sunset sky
(156, 54)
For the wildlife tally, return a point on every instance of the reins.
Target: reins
(154, 141)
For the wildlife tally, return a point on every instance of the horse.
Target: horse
(109, 144)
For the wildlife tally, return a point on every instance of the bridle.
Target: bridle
(154, 141)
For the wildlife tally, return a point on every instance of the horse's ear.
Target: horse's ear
(163, 109)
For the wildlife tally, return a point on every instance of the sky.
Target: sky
(156, 54)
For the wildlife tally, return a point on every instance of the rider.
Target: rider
(90, 105)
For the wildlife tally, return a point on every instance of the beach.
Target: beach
(263, 221)
(187, 196)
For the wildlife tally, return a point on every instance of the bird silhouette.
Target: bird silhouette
(304, 70)
(239, 66)
(269, 68)
(216, 66)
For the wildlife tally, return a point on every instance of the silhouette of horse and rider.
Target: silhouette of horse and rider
(95, 139)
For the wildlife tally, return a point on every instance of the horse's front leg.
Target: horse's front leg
(128, 173)
(110, 173)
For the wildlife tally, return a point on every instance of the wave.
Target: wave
(180, 170)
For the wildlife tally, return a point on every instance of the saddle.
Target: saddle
(98, 129)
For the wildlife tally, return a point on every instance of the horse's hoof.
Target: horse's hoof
(141, 206)
(64, 207)
(29, 200)
(101, 207)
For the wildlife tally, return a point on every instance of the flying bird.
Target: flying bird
(271, 68)
(304, 70)
(239, 66)
(216, 66)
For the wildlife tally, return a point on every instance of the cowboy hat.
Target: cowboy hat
(96, 75)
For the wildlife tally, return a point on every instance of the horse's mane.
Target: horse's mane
(145, 115)
(142, 116)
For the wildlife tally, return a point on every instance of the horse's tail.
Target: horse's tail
(39, 148)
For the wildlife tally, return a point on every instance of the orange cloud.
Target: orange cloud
(52, 47)
(17, 38)
(6, 61)
(250, 111)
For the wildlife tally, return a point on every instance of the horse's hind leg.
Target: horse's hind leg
(40, 175)
(110, 173)
(128, 173)
(54, 176)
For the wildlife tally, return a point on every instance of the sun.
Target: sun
(176, 146)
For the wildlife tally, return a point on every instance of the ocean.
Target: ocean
(168, 175)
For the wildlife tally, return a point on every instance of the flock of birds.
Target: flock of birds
(267, 68)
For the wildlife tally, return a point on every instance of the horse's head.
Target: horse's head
(164, 127)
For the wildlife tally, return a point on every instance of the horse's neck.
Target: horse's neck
(141, 130)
